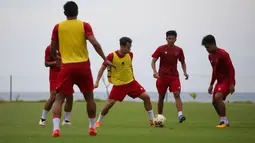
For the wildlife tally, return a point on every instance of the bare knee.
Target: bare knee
(161, 97)
(176, 95)
(218, 97)
(145, 97)
(108, 106)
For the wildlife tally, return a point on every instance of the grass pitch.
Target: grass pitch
(128, 122)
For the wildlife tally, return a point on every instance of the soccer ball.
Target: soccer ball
(159, 120)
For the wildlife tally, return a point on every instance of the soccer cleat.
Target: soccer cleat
(97, 124)
(66, 122)
(92, 132)
(222, 125)
(42, 122)
(151, 123)
(56, 133)
(181, 118)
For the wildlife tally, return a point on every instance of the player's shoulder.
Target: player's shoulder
(162, 46)
(178, 48)
(47, 48)
(223, 52)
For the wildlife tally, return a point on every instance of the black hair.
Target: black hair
(71, 9)
(209, 39)
(171, 33)
(125, 40)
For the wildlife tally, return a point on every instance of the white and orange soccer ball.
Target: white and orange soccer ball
(159, 120)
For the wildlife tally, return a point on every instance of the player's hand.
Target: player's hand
(210, 89)
(96, 85)
(108, 63)
(186, 76)
(58, 62)
(232, 89)
(155, 75)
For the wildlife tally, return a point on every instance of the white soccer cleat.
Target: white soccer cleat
(42, 123)
(66, 123)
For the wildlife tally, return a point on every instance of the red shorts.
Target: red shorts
(53, 80)
(221, 87)
(163, 84)
(133, 89)
(75, 73)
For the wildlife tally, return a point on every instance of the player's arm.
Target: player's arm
(50, 63)
(155, 57)
(99, 75)
(183, 64)
(231, 69)
(213, 74)
(54, 42)
(89, 35)
(153, 65)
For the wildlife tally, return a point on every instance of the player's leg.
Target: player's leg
(68, 108)
(162, 86)
(175, 87)
(64, 89)
(47, 106)
(105, 111)
(136, 90)
(84, 80)
(219, 95)
(117, 93)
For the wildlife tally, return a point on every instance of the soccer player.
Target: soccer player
(71, 36)
(223, 71)
(54, 70)
(168, 76)
(123, 80)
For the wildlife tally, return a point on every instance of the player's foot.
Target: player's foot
(42, 122)
(151, 123)
(222, 125)
(66, 122)
(92, 132)
(56, 133)
(181, 118)
(97, 124)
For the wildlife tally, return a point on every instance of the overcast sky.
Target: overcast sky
(26, 30)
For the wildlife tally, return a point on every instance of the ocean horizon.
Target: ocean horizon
(201, 97)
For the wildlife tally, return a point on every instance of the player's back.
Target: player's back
(72, 41)
(219, 61)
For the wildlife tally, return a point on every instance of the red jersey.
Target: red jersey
(168, 60)
(223, 69)
(53, 69)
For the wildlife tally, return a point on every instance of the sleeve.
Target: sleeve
(131, 55)
(88, 30)
(54, 36)
(230, 67)
(181, 56)
(47, 56)
(156, 54)
(109, 57)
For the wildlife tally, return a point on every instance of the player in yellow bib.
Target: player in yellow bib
(123, 80)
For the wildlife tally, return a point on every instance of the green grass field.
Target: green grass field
(128, 122)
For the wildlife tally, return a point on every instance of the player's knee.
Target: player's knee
(218, 97)
(177, 95)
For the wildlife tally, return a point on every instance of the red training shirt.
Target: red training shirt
(168, 60)
(53, 69)
(223, 69)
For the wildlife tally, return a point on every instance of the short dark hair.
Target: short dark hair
(125, 40)
(171, 33)
(71, 9)
(209, 39)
